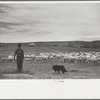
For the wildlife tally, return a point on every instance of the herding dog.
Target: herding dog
(59, 68)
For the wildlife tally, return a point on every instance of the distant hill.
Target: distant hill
(78, 44)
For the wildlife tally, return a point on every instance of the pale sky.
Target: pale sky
(49, 22)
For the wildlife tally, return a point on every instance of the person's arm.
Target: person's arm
(14, 55)
(23, 54)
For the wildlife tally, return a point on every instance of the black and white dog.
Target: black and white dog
(59, 68)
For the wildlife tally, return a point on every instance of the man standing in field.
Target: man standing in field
(20, 57)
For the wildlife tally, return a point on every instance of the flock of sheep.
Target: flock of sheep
(91, 58)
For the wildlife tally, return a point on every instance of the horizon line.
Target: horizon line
(52, 41)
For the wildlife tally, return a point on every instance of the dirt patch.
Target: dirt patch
(17, 76)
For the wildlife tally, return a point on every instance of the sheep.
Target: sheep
(81, 58)
(71, 57)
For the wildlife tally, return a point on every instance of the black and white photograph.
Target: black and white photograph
(49, 40)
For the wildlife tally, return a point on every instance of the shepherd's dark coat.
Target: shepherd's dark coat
(20, 56)
(59, 68)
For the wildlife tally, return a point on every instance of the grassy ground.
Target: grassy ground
(43, 70)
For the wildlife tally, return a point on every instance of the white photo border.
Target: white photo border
(51, 88)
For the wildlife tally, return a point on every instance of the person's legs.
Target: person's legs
(19, 65)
